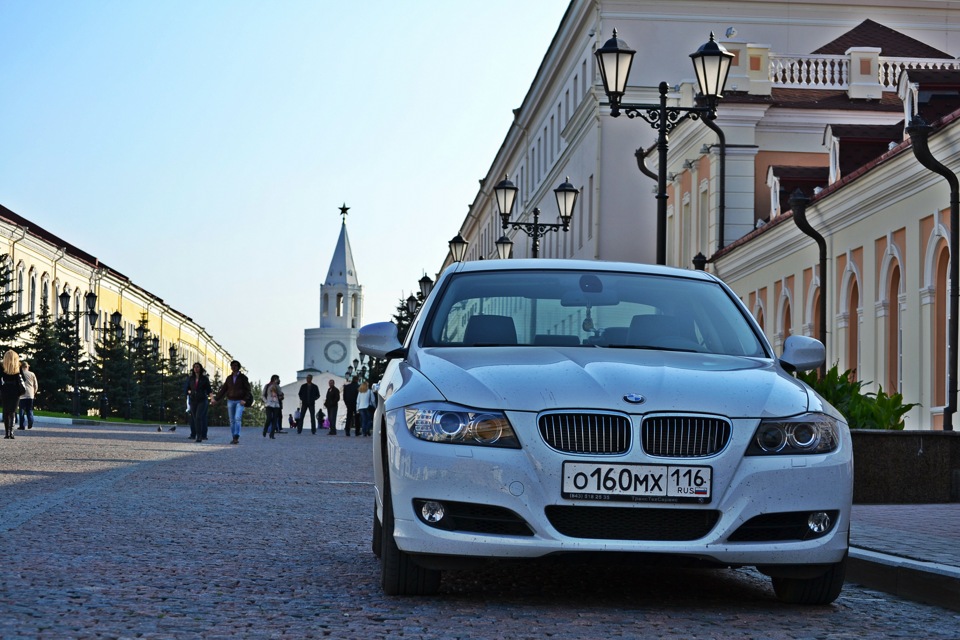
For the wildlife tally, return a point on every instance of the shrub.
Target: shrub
(862, 410)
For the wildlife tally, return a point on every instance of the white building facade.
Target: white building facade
(886, 254)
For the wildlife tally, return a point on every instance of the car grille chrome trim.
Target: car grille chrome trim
(684, 436)
(591, 433)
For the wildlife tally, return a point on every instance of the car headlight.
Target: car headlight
(804, 434)
(459, 425)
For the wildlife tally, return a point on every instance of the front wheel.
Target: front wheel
(399, 574)
(822, 589)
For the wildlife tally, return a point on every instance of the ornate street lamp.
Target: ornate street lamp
(458, 248)
(91, 303)
(504, 247)
(505, 194)
(711, 63)
(426, 286)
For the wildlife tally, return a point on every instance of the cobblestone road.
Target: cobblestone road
(121, 532)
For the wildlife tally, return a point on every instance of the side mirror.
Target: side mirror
(379, 340)
(801, 353)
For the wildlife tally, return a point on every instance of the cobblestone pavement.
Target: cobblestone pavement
(122, 532)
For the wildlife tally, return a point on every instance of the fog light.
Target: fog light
(819, 522)
(432, 511)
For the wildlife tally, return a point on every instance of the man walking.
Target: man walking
(331, 402)
(29, 393)
(309, 394)
(236, 388)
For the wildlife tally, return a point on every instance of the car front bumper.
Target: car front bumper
(527, 482)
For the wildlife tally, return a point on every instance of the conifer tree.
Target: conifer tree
(12, 323)
(47, 360)
(217, 414)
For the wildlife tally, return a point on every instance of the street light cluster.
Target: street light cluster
(711, 63)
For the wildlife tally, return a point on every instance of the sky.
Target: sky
(203, 148)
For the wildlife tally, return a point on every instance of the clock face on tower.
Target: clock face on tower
(335, 351)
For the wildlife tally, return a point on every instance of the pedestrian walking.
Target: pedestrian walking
(350, 390)
(331, 402)
(309, 394)
(26, 400)
(198, 396)
(236, 389)
(365, 408)
(271, 401)
(11, 388)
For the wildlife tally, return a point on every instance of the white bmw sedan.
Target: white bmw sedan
(547, 407)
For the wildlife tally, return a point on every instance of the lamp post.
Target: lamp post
(711, 63)
(506, 194)
(91, 302)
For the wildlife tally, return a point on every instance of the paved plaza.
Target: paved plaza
(126, 532)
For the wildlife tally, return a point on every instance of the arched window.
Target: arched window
(817, 301)
(853, 328)
(325, 306)
(941, 311)
(33, 297)
(894, 337)
(787, 323)
(20, 289)
(339, 305)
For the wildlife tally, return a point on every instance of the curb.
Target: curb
(927, 582)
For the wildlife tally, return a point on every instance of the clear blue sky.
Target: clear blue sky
(203, 147)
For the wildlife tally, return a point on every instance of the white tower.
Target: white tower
(331, 347)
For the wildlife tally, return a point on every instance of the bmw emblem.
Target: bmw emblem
(634, 398)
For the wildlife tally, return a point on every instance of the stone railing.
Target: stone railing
(810, 71)
(833, 72)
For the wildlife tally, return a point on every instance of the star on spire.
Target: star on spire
(343, 212)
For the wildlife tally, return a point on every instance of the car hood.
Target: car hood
(540, 378)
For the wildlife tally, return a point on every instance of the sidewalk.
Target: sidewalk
(908, 550)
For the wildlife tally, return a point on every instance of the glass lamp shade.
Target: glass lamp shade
(173, 352)
(504, 247)
(411, 304)
(64, 301)
(614, 59)
(711, 62)
(426, 286)
(506, 193)
(91, 301)
(458, 248)
(566, 199)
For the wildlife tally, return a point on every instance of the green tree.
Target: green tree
(174, 397)
(81, 377)
(12, 323)
(47, 359)
(116, 373)
(218, 412)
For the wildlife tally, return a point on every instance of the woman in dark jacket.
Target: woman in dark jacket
(199, 390)
(11, 388)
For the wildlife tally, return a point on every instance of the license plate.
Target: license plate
(637, 482)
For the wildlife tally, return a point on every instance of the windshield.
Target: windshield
(589, 310)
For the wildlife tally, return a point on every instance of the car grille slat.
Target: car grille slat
(593, 433)
(684, 436)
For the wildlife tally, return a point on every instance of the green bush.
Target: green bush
(862, 410)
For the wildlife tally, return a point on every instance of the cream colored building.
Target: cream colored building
(885, 226)
(44, 266)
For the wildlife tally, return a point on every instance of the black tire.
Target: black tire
(820, 590)
(377, 531)
(399, 574)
